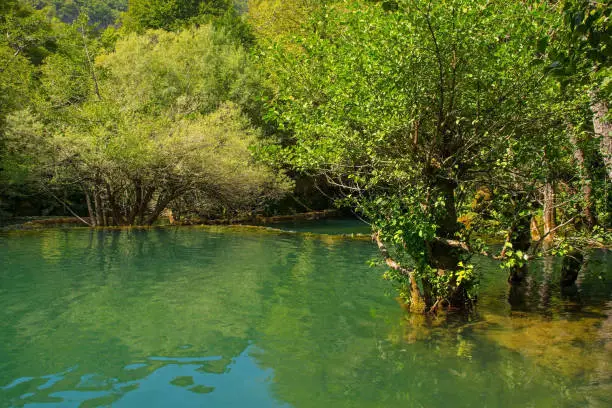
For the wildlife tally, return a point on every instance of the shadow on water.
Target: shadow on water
(196, 317)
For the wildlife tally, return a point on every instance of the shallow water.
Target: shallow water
(325, 226)
(218, 317)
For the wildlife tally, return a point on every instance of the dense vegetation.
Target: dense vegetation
(102, 13)
(438, 122)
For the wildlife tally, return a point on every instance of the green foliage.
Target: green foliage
(67, 74)
(178, 74)
(513, 259)
(407, 108)
(168, 122)
(577, 53)
(176, 14)
(274, 19)
(143, 14)
(582, 49)
(101, 13)
(25, 147)
(26, 39)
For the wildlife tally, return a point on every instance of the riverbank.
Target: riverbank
(340, 226)
(258, 220)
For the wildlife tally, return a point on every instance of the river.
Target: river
(242, 317)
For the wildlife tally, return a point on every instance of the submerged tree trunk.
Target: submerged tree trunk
(444, 254)
(519, 236)
(570, 268)
(417, 301)
(429, 290)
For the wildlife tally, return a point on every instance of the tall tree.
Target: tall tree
(405, 108)
(579, 54)
(589, 57)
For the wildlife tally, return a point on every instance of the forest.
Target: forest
(446, 125)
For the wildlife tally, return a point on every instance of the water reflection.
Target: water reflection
(217, 317)
(161, 382)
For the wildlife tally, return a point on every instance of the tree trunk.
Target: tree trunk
(448, 222)
(545, 286)
(162, 202)
(550, 213)
(418, 304)
(417, 298)
(441, 255)
(146, 199)
(137, 202)
(98, 207)
(92, 218)
(114, 207)
(603, 131)
(585, 181)
(170, 216)
(535, 231)
(517, 297)
(572, 263)
(519, 236)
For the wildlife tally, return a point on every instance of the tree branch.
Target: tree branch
(539, 242)
(391, 263)
(67, 207)
(459, 244)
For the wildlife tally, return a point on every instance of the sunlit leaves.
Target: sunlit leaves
(168, 120)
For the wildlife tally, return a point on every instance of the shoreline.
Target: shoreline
(24, 223)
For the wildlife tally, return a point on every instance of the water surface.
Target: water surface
(201, 317)
(332, 226)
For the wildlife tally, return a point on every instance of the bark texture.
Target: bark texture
(603, 131)
(549, 213)
(585, 181)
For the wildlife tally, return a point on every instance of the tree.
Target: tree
(26, 39)
(408, 108)
(583, 58)
(100, 13)
(176, 14)
(577, 55)
(167, 123)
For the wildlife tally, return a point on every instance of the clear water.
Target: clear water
(200, 317)
(326, 226)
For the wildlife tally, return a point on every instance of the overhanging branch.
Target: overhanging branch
(391, 263)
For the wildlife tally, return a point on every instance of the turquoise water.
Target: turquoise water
(325, 226)
(222, 317)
